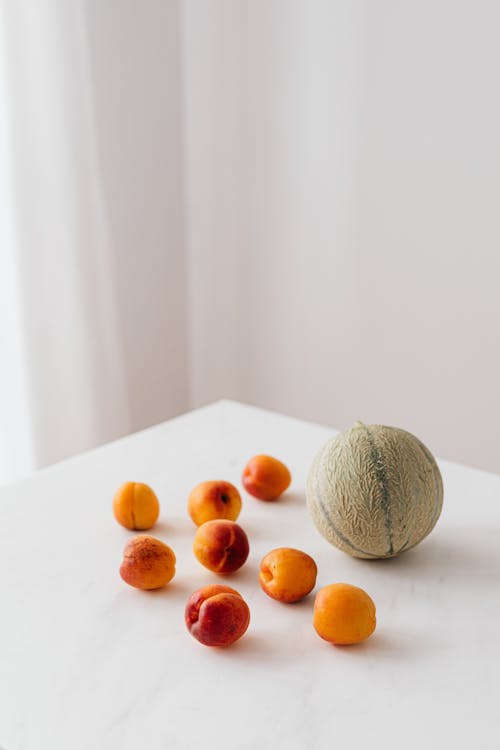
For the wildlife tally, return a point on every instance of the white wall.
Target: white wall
(342, 185)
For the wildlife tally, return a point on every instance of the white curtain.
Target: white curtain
(90, 348)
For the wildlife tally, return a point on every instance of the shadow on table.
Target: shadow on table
(175, 588)
(257, 648)
(390, 645)
(447, 556)
(292, 497)
(178, 528)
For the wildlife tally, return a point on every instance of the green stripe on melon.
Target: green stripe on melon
(374, 491)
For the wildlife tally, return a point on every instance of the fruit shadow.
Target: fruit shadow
(253, 529)
(306, 603)
(391, 646)
(255, 647)
(293, 497)
(447, 557)
(248, 574)
(290, 497)
(180, 527)
(176, 588)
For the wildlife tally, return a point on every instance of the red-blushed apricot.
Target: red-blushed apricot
(136, 506)
(216, 615)
(287, 574)
(265, 477)
(148, 563)
(214, 499)
(221, 546)
(343, 614)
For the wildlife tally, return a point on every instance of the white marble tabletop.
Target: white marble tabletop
(88, 663)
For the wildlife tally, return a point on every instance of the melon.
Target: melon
(374, 491)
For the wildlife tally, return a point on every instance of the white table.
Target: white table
(88, 663)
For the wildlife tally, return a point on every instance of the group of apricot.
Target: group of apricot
(217, 615)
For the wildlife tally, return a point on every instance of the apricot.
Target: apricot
(287, 574)
(136, 506)
(216, 615)
(221, 546)
(214, 499)
(148, 563)
(343, 614)
(265, 477)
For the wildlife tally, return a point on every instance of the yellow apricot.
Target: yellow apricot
(265, 477)
(136, 506)
(343, 614)
(214, 499)
(148, 563)
(287, 574)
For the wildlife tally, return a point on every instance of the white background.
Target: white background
(292, 203)
(344, 224)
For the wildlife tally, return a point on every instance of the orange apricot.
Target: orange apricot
(343, 614)
(221, 546)
(216, 615)
(265, 477)
(287, 574)
(214, 499)
(136, 506)
(148, 563)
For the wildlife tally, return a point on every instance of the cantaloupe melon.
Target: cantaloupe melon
(374, 491)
